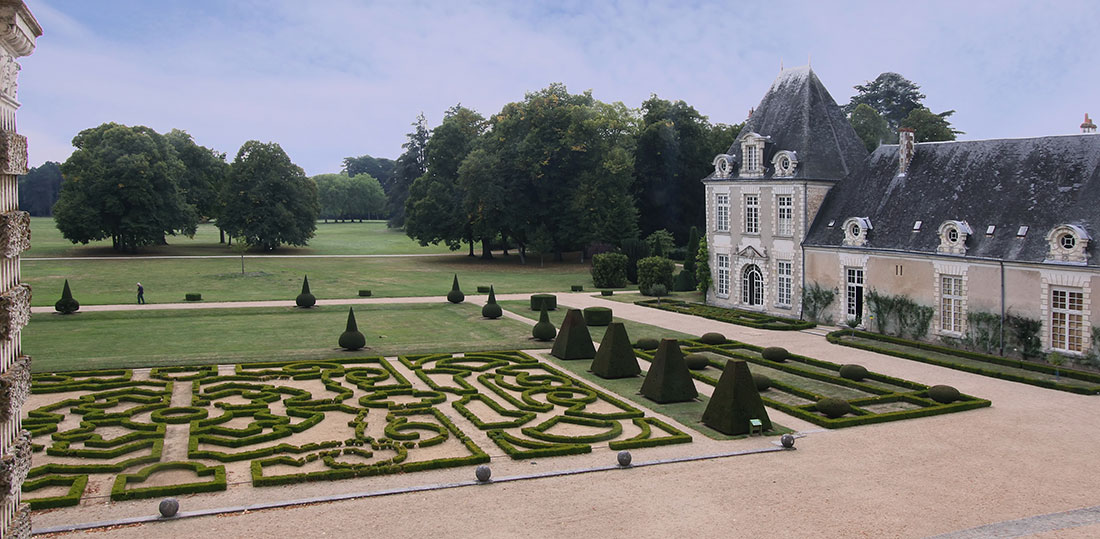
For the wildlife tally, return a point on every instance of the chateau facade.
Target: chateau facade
(803, 222)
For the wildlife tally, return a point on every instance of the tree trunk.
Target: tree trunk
(522, 255)
(471, 244)
(504, 243)
(558, 256)
(222, 235)
(486, 250)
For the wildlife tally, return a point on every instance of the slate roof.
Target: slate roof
(798, 114)
(1039, 182)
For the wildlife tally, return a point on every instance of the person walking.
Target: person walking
(141, 294)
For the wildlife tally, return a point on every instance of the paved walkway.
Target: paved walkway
(1027, 466)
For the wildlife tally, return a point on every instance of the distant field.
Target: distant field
(371, 237)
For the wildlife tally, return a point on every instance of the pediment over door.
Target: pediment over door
(751, 252)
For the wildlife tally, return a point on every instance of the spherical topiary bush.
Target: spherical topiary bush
(833, 407)
(761, 382)
(647, 343)
(597, 316)
(305, 300)
(696, 362)
(492, 310)
(713, 338)
(775, 353)
(943, 394)
(351, 338)
(853, 372)
(66, 305)
(455, 295)
(544, 330)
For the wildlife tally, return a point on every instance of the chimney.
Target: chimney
(906, 148)
(1088, 126)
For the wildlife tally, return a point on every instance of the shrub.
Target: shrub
(635, 250)
(684, 282)
(609, 270)
(692, 251)
(577, 288)
(712, 338)
(305, 300)
(455, 295)
(491, 310)
(736, 402)
(660, 243)
(647, 343)
(658, 291)
(192, 296)
(597, 316)
(574, 340)
(853, 372)
(678, 253)
(363, 293)
(697, 362)
(943, 394)
(615, 358)
(668, 379)
(544, 330)
(351, 338)
(539, 300)
(653, 271)
(833, 407)
(762, 382)
(481, 289)
(66, 305)
(775, 353)
(607, 292)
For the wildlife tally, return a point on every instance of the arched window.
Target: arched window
(752, 286)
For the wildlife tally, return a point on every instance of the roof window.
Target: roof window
(990, 229)
(917, 225)
(1022, 231)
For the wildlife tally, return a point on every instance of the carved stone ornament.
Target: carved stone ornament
(15, 233)
(9, 77)
(1068, 244)
(15, 465)
(13, 153)
(723, 166)
(15, 310)
(785, 163)
(953, 235)
(855, 231)
(15, 387)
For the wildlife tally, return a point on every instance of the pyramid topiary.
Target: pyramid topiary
(574, 341)
(491, 310)
(544, 330)
(305, 300)
(351, 338)
(668, 379)
(615, 358)
(66, 305)
(735, 401)
(455, 295)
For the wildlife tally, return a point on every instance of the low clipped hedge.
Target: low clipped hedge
(837, 337)
(482, 289)
(733, 316)
(76, 484)
(577, 288)
(597, 316)
(120, 493)
(607, 292)
(364, 293)
(538, 300)
(193, 296)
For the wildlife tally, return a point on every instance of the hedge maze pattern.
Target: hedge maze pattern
(182, 430)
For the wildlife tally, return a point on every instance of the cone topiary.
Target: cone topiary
(544, 330)
(615, 358)
(647, 343)
(943, 394)
(713, 338)
(696, 361)
(351, 338)
(735, 401)
(66, 305)
(491, 310)
(305, 300)
(455, 295)
(574, 341)
(668, 379)
(853, 372)
(833, 407)
(775, 353)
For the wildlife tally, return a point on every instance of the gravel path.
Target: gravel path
(1028, 465)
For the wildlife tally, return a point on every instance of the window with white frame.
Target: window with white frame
(752, 286)
(722, 212)
(1067, 320)
(752, 158)
(783, 283)
(752, 214)
(951, 303)
(784, 209)
(854, 293)
(724, 275)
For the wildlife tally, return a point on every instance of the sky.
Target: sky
(329, 79)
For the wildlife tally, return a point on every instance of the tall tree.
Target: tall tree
(929, 126)
(434, 211)
(40, 188)
(204, 174)
(870, 126)
(123, 183)
(332, 195)
(890, 94)
(269, 201)
(366, 198)
(411, 165)
(380, 168)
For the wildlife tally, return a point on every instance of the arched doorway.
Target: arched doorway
(752, 286)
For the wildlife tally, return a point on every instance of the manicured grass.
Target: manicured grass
(733, 316)
(371, 237)
(97, 282)
(636, 330)
(630, 296)
(153, 338)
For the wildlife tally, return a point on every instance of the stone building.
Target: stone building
(803, 222)
(18, 32)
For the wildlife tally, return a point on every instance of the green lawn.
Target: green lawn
(153, 338)
(371, 237)
(619, 296)
(635, 330)
(97, 282)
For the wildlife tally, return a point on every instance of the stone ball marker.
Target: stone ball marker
(787, 440)
(169, 507)
(624, 458)
(483, 473)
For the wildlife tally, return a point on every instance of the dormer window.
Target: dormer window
(953, 235)
(723, 166)
(1068, 244)
(855, 231)
(752, 153)
(784, 163)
